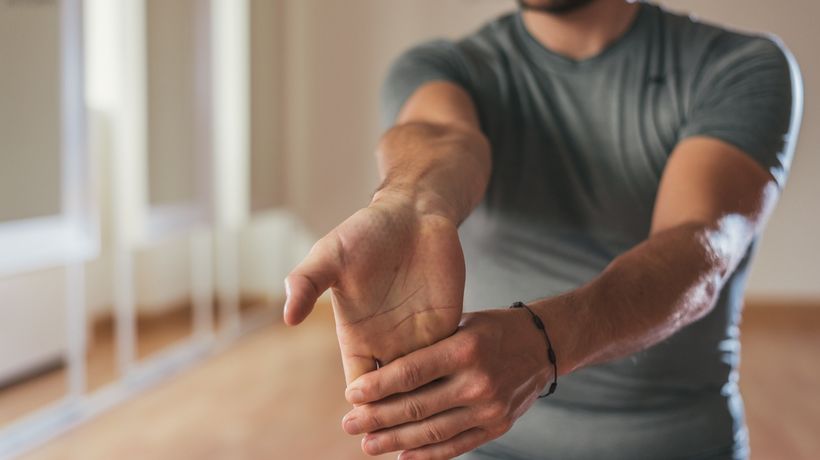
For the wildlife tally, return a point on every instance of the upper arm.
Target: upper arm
(748, 93)
(737, 142)
(431, 83)
(707, 180)
(440, 102)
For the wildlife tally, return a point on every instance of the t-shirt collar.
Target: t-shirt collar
(551, 61)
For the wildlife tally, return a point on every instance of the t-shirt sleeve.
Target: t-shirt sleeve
(750, 96)
(438, 60)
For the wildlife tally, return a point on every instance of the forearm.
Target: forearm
(442, 168)
(647, 294)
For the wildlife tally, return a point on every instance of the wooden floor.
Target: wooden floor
(153, 335)
(277, 394)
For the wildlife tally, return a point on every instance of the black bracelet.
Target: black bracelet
(550, 352)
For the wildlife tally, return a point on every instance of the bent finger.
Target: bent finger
(434, 430)
(406, 373)
(356, 366)
(429, 400)
(460, 444)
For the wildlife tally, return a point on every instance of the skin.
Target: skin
(395, 268)
(468, 389)
(581, 32)
(479, 376)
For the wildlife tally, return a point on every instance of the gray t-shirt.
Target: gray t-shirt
(578, 151)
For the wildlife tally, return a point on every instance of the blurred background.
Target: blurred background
(164, 163)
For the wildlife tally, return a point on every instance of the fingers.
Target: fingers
(429, 400)
(460, 444)
(356, 366)
(405, 374)
(433, 430)
(315, 275)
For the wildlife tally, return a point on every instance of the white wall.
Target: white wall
(338, 53)
(32, 320)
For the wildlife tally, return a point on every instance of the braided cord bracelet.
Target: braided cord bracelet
(550, 352)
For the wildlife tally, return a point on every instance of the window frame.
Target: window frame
(71, 236)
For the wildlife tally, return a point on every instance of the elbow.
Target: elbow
(724, 243)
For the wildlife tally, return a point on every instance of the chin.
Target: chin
(552, 6)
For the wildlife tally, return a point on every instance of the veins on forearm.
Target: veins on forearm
(663, 284)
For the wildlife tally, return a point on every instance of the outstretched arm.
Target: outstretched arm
(395, 268)
(466, 390)
(436, 155)
(712, 202)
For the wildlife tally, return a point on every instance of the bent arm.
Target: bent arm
(713, 200)
(436, 155)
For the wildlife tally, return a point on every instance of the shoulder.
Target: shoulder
(726, 73)
(470, 62)
(474, 61)
(707, 46)
(483, 47)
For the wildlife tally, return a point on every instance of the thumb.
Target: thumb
(357, 365)
(312, 277)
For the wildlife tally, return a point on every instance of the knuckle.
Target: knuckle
(370, 386)
(413, 409)
(495, 411)
(470, 347)
(411, 375)
(392, 442)
(373, 421)
(478, 389)
(487, 388)
(432, 433)
(471, 393)
(366, 388)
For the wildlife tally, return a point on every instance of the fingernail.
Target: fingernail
(371, 446)
(352, 426)
(287, 297)
(355, 395)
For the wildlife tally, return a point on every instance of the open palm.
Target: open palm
(397, 283)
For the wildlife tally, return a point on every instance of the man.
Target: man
(611, 160)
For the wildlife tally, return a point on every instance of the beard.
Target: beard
(552, 6)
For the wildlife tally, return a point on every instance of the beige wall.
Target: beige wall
(338, 53)
(30, 139)
(336, 56)
(172, 99)
(267, 180)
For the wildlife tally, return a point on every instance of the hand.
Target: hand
(451, 397)
(397, 278)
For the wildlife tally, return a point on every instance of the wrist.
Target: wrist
(422, 202)
(530, 341)
(564, 316)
